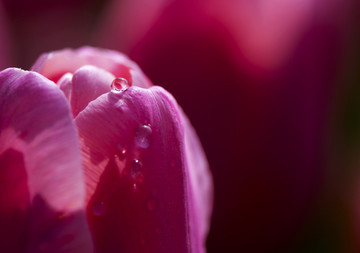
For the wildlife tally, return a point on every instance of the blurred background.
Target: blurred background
(272, 88)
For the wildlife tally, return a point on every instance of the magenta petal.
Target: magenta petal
(88, 83)
(149, 186)
(55, 64)
(41, 181)
(64, 84)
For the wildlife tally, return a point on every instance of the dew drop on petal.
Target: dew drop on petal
(143, 136)
(119, 84)
(136, 171)
(98, 208)
(151, 204)
(121, 151)
(135, 187)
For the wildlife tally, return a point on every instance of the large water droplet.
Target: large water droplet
(121, 151)
(98, 208)
(136, 171)
(119, 84)
(151, 204)
(143, 136)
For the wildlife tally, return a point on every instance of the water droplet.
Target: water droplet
(119, 84)
(142, 136)
(135, 187)
(98, 208)
(136, 171)
(151, 204)
(122, 151)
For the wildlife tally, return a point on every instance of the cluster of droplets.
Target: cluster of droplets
(142, 139)
(119, 84)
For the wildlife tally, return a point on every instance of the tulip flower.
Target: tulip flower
(94, 156)
(259, 78)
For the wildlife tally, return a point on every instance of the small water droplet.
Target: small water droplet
(119, 84)
(98, 208)
(135, 187)
(151, 204)
(143, 135)
(122, 151)
(136, 171)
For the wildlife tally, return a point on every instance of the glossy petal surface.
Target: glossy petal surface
(142, 182)
(41, 181)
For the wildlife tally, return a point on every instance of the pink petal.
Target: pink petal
(55, 64)
(88, 83)
(64, 84)
(162, 203)
(42, 187)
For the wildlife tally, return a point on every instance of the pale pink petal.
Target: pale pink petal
(64, 84)
(147, 192)
(39, 153)
(88, 83)
(55, 64)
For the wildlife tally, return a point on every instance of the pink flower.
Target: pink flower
(110, 163)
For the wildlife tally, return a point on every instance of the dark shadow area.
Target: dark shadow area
(33, 226)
